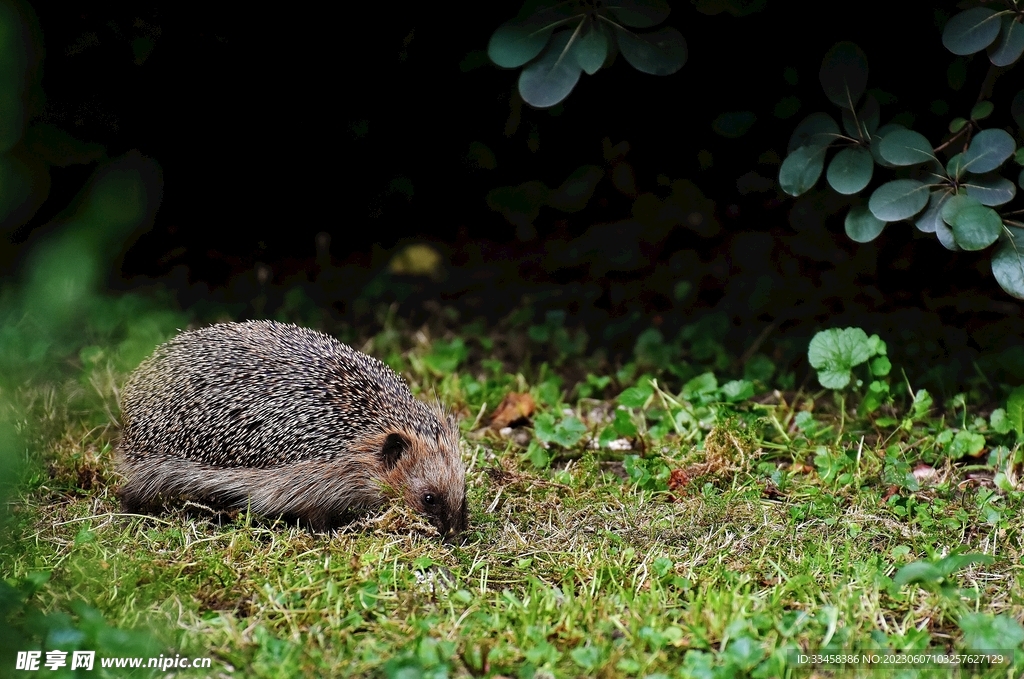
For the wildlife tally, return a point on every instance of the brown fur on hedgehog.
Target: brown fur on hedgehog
(287, 421)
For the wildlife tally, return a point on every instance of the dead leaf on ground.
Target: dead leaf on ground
(513, 407)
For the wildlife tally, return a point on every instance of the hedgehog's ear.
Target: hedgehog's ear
(395, 445)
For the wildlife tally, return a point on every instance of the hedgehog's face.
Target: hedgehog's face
(432, 479)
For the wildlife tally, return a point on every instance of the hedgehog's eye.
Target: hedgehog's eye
(429, 499)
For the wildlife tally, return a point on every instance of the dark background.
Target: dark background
(357, 123)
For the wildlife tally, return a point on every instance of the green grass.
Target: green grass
(743, 532)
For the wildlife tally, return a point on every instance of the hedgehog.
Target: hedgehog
(288, 422)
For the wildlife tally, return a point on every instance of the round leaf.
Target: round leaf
(1009, 45)
(514, 44)
(862, 226)
(640, 13)
(990, 189)
(817, 129)
(876, 142)
(801, 169)
(988, 150)
(957, 124)
(971, 31)
(662, 52)
(956, 166)
(1008, 263)
(906, 147)
(834, 352)
(592, 48)
(850, 171)
(844, 74)
(975, 226)
(733, 124)
(983, 109)
(945, 236)
(551, 78)
(931, 218)
(898, 199)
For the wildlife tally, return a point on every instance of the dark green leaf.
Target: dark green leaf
(988, 150)
(801, 169)
(990, 189)
(550, 78)
(974, 225)
(1020, 179)
(984, 632)
(898, 199)
(945, 236)
(592, 48)
(1015, 410)
(850, 170)
(970, 31)
(733, 124)
(640, 13)
(1008, 263)
(817, 129)
(955, 562)
(932, 214)
(957, 124)
(662, 52)
(576, 191)
(868, 117)
(918, 571)
(844, 74)
(876, 142)
(1010, 44)
(514, 43)
(983, 109)
(956, 166)
(862, 226)
(906, 147)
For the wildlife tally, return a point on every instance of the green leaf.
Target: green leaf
(515, 43)
(640, 13)
(868, 117)
(971, 31)
(956, 166)
(662, 52)
(988, 150)
(965, 443)
(876, 142)
(955, 562)
(880, 366)
(1015, 410)
(906, 147)
(734, 124)
(957, 124)
(817, 129)
(568, 432)
(844, 74)
(801, 169)
(550, 78)
(1010, 44)
(975, 226)
(862, 226)
(592, 48)
(577, 189)
(984, 631)
(737, 390)
(850, 170)
(929, 220)
(834, 352)
(898, 199)
(945, 236)
(999, 422)
(636, 397)
(990, 189)
(917, 571)
(981, 110)
(705, 383)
